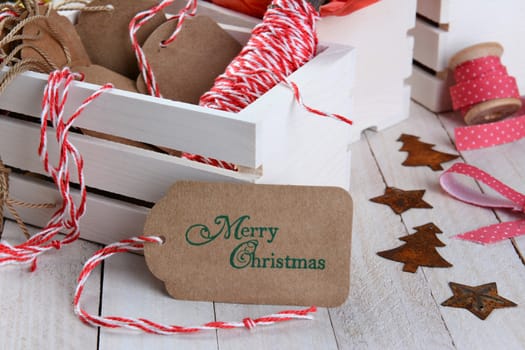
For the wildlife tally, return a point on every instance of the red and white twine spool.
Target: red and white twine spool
(147, 326)
(284, 41)
(66, 218)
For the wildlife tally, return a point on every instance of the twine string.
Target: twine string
(144, 325)
(66, 217)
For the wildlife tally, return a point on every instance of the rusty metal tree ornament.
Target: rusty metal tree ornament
(423, 154)
(480, 300)
(419, 249)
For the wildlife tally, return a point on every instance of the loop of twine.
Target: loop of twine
(66, 218)
(144, 325)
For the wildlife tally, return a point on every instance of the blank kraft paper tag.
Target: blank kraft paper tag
(255, 244)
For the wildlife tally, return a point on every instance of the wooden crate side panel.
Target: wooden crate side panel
(435, 10)
(144, 118)
(428, 43)
(379, 32)
(106, 220)
(430, 91)
(109, 166)
(294, 140)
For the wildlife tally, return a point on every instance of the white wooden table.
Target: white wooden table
(387, 308)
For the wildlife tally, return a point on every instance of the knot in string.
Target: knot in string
(249, 323)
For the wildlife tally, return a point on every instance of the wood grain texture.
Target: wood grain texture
(473, 264)
(131, 290)
(37, 308)
(303, 334)
(387, 308)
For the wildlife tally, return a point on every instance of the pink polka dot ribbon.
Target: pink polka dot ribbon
(509, 199)
(490, 134)
(479, 80)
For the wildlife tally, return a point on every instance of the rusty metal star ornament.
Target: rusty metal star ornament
(401, 201)
(480, 300)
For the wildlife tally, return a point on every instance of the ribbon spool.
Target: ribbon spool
(484, 92)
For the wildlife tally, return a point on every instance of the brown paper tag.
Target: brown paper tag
(51, 35)
(255, 244)
(105, 34)
(99, 75)
(186, 68)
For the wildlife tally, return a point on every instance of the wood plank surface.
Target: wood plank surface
(37, 307)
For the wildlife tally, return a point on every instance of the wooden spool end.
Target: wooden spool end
(488, 111)
(475, 51)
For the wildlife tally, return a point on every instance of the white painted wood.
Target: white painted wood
(473, 264)
(109, 166)
(430, 91)
(106, 220)
(131, 290)
(301, 334)
(435, 10)
(387, 308)
(384, 58)
(227, 136)
(470, 22)
(37, 308)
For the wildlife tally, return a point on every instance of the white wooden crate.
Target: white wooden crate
(444, 27)
(273, 140)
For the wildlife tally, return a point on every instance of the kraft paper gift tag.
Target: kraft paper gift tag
(99, 75)
(105, 34)
(255, 244)
(53, 36)
(186, 68)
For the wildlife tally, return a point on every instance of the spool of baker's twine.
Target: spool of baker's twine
(484, 91)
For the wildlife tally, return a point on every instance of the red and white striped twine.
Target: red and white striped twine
(147, 326)
(284, 41)
(66, 218)
(142, 18)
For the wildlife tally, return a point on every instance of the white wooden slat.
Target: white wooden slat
(379, 97)
(37, 309)
(106, 220)
(131, 290)
(300, 334)
(109, 166)
(436, 10)
(474, 264)
(387, 308)
(505, 162)
(137, 117)
(430, 90)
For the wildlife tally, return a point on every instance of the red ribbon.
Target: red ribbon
(479, 80)
(490, 134)
(509, 199)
